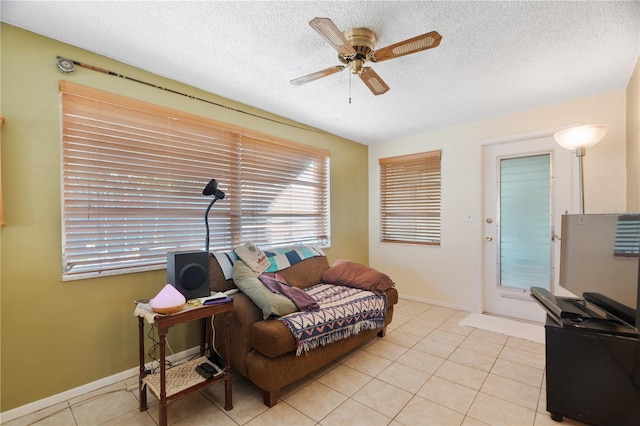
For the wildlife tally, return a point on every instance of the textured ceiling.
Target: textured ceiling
(495, 58)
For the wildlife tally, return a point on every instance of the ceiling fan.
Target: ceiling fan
(355, 48)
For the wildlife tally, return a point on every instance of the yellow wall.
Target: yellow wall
(633, 141)
(446, 275)
(59, 335)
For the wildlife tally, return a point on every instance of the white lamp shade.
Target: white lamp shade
(581, 136)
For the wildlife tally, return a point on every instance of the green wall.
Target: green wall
(57, 335)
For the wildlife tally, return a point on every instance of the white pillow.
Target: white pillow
(254, 258)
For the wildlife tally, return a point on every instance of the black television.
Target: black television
(600, 262)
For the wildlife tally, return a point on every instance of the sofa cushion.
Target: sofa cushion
(218, 279)
(270, 303)
(306, 273)
(272, 338)
(351, 274)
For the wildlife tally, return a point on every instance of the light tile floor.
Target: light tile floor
(427, 370)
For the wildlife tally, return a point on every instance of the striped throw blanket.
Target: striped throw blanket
(344, 311)
(279, 258)
(283, 257)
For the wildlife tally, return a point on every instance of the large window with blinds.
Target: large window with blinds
(133, 175)
(411, 198)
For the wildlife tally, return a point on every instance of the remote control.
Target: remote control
(216, 296)
(208, 367)
(216, 301)
(204, 373)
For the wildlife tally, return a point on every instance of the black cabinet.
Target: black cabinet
(592, 375)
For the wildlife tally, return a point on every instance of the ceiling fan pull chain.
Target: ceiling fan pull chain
(349, 88)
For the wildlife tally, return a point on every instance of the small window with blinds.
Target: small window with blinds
(411, 198)
(133, 175)
(627, 242)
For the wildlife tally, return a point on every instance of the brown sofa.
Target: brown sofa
(264, 351)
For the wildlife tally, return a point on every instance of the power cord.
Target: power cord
(212, 347)
(153, 351)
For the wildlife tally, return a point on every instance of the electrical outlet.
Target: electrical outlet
(468, 218)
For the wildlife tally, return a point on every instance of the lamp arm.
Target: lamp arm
(206, 222)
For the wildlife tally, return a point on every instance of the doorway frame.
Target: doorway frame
(479, 190)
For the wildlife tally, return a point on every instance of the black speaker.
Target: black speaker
(188, 272)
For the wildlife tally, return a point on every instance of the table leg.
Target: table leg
(142, 391)
(203, 334)
(228, 382)
(163, 380)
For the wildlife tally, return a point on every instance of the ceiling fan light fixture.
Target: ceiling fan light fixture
(356, 66)
(360, 38)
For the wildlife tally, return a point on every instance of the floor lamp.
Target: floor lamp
(578, 139)
(211, 189)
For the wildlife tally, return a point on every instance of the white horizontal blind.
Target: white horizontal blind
(133, 175)
(525, 221)
(284, 193)
(627, 242)
(411, 198)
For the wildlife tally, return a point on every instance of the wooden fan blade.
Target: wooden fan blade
(412, 45)
(327, 29)
(373, 81)
(316, 75)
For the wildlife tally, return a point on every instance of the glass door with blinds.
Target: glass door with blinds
(524, 222)
(527, 189)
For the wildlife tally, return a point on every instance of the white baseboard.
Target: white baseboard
(437, 303)
(84, 389)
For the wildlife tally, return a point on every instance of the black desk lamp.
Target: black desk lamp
(211, 189)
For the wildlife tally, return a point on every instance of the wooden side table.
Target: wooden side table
(164, 323)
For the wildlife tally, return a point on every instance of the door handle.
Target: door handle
(488, 238)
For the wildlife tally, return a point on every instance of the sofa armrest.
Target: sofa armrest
(245, 314)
